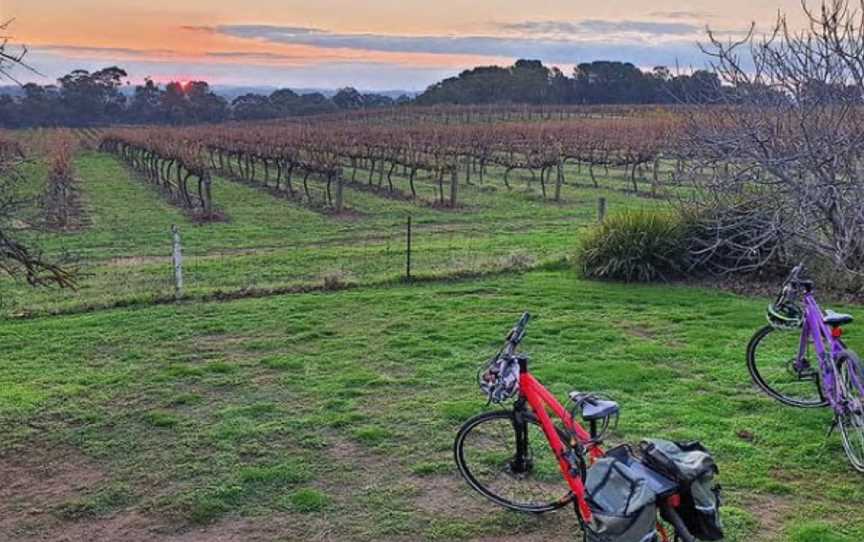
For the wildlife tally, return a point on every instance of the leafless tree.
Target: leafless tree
(17, 257)
(10, 58)
(784, 152)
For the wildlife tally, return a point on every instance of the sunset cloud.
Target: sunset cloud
(417, 43)
(591, 28)
(637, 41)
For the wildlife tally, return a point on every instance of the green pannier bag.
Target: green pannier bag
(694, 469)
(623, 506)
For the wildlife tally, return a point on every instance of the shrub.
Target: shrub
(735, 236)
(635, 246)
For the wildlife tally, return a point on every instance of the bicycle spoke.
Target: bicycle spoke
(488, 454)
(851, 420)
(773, 362)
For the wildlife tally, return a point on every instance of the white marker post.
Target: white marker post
(177, 260)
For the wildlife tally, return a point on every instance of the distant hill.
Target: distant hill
(230, 92)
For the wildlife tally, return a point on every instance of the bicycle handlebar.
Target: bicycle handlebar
(516, 334)
(793, 283)
(793, 275)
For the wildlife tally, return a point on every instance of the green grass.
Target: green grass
(349, 401)
(124, 253)
(308, 500)
(331, 414)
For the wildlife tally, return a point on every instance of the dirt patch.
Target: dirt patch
(447, 496)
(770, 511)
(34, 483)
(131, 526)
(260, 530)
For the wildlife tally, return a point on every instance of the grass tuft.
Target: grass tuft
(308, 500)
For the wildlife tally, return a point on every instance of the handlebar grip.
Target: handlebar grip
(519, 329)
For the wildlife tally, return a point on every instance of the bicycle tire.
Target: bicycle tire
(852, 423)
(470, 474)
(758, 378)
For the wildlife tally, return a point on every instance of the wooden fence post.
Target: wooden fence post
(177, 260)
(338, 203)
(601, 209)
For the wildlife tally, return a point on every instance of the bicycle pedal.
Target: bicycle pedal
(808, 374)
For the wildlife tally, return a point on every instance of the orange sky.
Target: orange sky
(385, 43)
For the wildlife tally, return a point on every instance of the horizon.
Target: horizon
(314, 47)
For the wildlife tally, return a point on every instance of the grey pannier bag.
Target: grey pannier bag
(623, 507)
(694, 469)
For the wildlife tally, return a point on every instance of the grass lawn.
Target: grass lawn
(330, 416)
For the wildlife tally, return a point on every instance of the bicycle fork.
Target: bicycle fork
(521, 462)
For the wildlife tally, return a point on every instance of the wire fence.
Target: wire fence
(180, 263)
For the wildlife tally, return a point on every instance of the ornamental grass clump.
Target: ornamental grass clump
(635, 246)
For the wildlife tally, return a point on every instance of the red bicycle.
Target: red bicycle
(502, 456)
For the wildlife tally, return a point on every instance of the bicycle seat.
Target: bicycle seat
(837, 319)
(594, 408)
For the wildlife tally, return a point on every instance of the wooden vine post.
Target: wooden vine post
(559, 179)
(177, 261)
(207, 196)
(454, 185)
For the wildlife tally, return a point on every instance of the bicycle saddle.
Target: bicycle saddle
(837, 319)
(594, 408)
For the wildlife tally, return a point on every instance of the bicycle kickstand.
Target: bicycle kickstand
(831, 429)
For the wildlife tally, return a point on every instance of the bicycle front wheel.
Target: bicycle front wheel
(851, 419)
(486, 454)
(772, 359)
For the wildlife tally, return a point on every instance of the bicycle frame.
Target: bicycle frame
(539, 399)
(582, 443)
(828, 348)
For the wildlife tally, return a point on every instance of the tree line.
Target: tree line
(82, 98)
(599, 82)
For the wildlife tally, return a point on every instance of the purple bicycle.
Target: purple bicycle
(801, 360)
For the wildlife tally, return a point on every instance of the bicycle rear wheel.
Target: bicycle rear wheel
(771, 359)
(486, 454)
(851, 420)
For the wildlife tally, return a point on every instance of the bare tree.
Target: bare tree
(17, 257)
(784, 152)
(10, 58)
